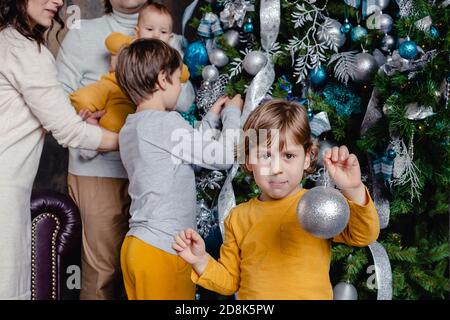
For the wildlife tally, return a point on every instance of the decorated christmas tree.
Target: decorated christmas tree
(374, 75)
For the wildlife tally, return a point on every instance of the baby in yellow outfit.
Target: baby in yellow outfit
(155, 22)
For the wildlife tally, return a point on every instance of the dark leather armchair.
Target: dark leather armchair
(55, 244)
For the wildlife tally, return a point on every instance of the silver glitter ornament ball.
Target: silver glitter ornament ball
(386, 23)
(218, 58)
(366, 66)
(231, 38)
(254, 61)
(210, 73)
(387, 43)
(345, 291)
(323, 212)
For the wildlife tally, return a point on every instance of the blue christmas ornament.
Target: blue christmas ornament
(196, 57)
(248, 26)
(391, 154)
(358, 33)
(318, 76)
(408, 49)
(346, 27)
(434, 33)
(310, 114)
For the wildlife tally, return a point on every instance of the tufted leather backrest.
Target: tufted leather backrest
(56, 238)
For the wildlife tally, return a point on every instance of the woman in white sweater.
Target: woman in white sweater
(31, 99)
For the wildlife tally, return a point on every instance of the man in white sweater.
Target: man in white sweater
(99, 186)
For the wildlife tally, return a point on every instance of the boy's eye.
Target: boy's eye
(264, 156)
(149, 29)
(289, 156)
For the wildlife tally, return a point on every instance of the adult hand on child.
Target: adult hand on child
(91, 117)
(191, 248)
(343, 168)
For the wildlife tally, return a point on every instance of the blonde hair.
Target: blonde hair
(290, 118)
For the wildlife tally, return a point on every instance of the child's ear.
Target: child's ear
(162, 80)
(307, 162)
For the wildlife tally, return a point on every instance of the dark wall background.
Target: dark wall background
(52, 173)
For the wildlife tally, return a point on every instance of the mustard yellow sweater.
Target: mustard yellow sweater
(267, 255)
(105, 94)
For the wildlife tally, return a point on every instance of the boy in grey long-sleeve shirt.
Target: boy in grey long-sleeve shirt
(158, 148)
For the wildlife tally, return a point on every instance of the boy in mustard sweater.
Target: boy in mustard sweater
(154, 22)
(266, 254)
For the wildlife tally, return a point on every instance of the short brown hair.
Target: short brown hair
(290, 118)
(139, 64)
(159, 7)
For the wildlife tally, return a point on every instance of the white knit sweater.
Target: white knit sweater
(31, 98)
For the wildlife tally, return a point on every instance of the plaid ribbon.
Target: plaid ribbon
(209, 26)
(319, 124)
(383, 168)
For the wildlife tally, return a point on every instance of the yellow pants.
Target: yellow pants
(150, 273)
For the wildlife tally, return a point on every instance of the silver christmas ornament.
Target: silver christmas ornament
(323, 147)
(232, 38)
(218, 58)
(254, 62)
(323, 212)
(383, 4)
(386, 23)
(366, 66)
(387, 43)
(210, 73)
(330, 31)
(345, 291)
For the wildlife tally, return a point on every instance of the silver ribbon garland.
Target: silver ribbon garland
(187, 15)
(270, 18)
(383, 271)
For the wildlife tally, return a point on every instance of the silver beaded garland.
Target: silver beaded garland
(254, 61)
(323, 212)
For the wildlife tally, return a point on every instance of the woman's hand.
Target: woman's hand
(190, 246)
(91, 117)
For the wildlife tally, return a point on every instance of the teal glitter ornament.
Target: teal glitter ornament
(318, 76)
(434, 33)
(391, 154)
(248, 26)
(358, 33)
(190, 115)
(196, 57)
(408, 49)
(342, 99)
(346, 27)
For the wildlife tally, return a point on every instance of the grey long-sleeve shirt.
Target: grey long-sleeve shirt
(158, 150)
